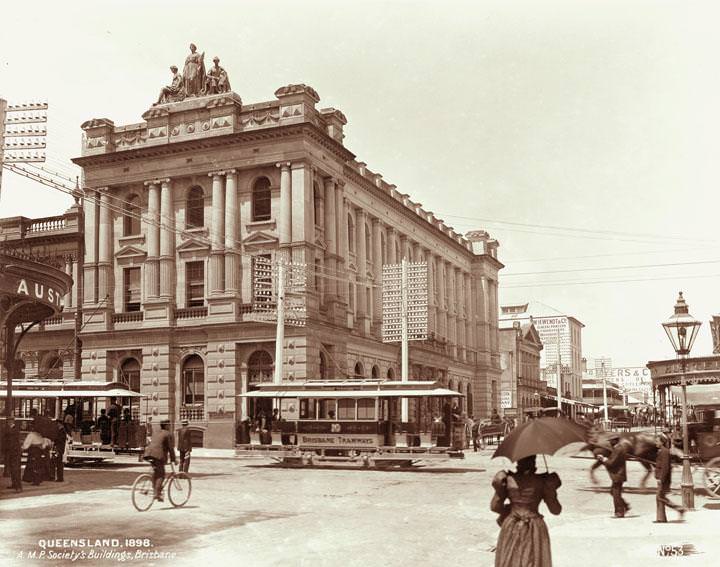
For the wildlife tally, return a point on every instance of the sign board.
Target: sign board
(265, 279)
(335, 440)
(417, 301)
(289, 408)
(505, 399)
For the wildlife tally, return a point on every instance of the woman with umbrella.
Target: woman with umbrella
(524, 538)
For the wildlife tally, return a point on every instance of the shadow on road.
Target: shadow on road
(413, 469)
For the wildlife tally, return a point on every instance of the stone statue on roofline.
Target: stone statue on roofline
(216, 80)
(175, 91)
(194, 73)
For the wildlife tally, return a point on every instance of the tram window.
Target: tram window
(325, 407)
(307, 409)
(366, 409)
(346, 409)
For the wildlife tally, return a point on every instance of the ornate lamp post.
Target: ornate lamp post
(681, 329)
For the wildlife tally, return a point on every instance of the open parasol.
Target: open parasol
(542, 436)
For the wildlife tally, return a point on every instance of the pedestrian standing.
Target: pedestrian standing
(184, 445)
(103, 424)
(663, 474)
(33, 444)
(12, 450)
(616, 467)
(524, 540)
(60, 441)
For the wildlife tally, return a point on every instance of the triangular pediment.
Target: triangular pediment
(193, 245)
(260, 239)
(129, 252)
(532, 335)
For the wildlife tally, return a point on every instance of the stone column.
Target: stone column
(331, 284)
(461, 316)
(152, 267)
(232, 226)
(442, 302)
(390, 243)
(377, 273)
(105, 248)
(452, 308)
(482, 314)
(285, 220)
(77, 288)
(403, 249)
(417, 252)
(470, 314)
(68, 298)
(90, 210)
(217, 234)
(167, 242)
(341, 250)
(362, 306)
(432, 305)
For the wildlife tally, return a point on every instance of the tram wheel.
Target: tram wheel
(179, 489)
(711, 476)
(143, 492)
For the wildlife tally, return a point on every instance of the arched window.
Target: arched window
(375, 372)
(261, 200)
(260, 367)
(351, 234)
(131, 216)
(323, 366)
(195, 208)
(193, 381)
(54, 368)
(130, 374)
(359, 370)
(391, 374)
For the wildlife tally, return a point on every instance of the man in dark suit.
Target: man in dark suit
(60, 440)
(184, 446)
(11, 448)
(161, 446)
(663, 474)
(615, 465)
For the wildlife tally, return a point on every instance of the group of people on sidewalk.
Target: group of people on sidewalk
(45, 448)
(524, 539)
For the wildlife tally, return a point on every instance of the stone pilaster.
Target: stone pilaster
(217, 235)
(377, 275)
(285, 221)
(331, 285)
(105, 247)
(167, 242)
(232, 229)
(152, 268)
(362, 304)
(90, 211)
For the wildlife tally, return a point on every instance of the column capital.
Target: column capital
(283, 165)
(216, 173)
(231, 171)
(376, 221)
(155, 182)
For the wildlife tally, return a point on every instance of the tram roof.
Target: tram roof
(74, 389)
(351, 389)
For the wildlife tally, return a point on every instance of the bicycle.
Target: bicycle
(178, 486)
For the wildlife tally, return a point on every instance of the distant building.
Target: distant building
(561, 336)
(593, 393)
(520, 384)
(635, 382)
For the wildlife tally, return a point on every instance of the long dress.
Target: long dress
(194, 74)
(524, 539)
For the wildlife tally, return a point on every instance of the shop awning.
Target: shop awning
(58, 393)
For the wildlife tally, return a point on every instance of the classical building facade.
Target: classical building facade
(520, 383)
(180, 208)
(561, 337)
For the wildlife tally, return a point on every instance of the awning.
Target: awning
(437, 392)
(57, 393)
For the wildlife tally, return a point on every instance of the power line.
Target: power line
(612, 268)
(597, 282)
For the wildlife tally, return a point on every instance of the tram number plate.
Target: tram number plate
(334, 440)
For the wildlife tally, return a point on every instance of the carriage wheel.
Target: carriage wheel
(711, 476)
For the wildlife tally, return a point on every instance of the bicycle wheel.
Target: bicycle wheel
(179, 488)
(143, 492)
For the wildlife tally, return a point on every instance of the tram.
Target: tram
(41, 403)
(355, 422)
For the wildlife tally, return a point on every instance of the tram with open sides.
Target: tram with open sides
(43, 402)
(354, 422)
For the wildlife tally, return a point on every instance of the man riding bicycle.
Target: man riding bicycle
(156, 453)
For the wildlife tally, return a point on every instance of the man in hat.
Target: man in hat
(60, 442)
(663, 474)
(184, 446)
(161, 446)
(11, 447)
(615, 465)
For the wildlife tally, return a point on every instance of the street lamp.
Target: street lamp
(682, 329)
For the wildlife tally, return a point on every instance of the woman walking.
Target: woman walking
(524, 539)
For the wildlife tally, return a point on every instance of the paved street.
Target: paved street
(258, 514)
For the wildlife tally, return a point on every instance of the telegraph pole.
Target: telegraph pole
(280, 331)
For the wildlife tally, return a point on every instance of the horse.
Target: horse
(642, 447)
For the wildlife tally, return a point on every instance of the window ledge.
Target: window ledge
(260, 225)
(197, 230)
(131, 239)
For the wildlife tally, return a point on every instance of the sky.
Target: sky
(581, 135)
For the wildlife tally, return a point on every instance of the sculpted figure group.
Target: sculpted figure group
(195, 81)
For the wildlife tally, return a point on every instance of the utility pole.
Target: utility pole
(604, 382)
(280, 330)
(559, 372)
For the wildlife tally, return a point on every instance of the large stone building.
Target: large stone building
(561, 337)
(521, 388)
(179, 207)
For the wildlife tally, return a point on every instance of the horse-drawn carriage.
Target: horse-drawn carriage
(704, 441)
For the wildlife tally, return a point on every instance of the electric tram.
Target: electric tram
(355, 422)
(42, 402)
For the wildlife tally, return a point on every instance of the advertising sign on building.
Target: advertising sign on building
(505, 399)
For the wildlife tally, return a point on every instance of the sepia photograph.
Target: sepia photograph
(387, 283)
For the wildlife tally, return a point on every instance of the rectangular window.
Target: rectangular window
(346, 409)
(131, 289)
(325, 407)
(366, 409)
(307, 409)
(195, 284)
